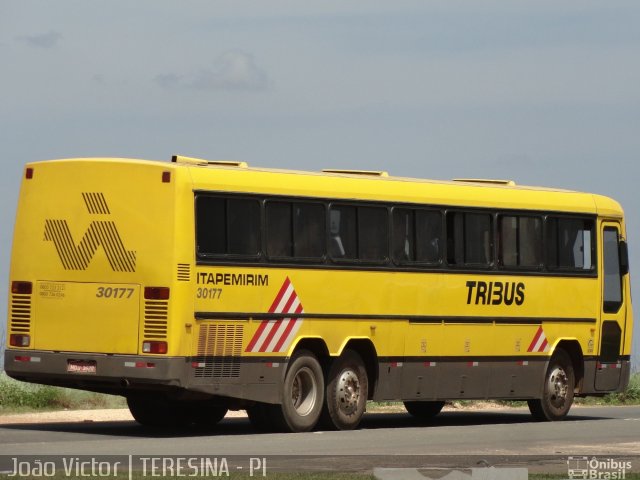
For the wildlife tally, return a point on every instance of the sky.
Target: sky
(544, 93)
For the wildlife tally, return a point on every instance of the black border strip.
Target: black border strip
(408, 359)
(416, 319)
(261, 260)
(404, 268)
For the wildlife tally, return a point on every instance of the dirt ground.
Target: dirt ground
(79, 416)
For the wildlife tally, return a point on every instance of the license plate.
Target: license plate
(81, 366)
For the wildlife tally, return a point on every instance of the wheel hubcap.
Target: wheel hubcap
(304, 391)
(348, 392)
(558, 387)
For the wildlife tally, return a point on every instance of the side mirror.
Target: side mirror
(624, 257)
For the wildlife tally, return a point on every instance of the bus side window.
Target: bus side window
(570, 244)
(469, 239)
(309, 230)
(279, 231)
(295, 230)
(358, 233)
(612, 272)
(520, 241)
(342, 229)
(243, 226)
(403, 235)
(227, 226)
(373, 234)
(455, 238)
(428, 236)
(417, 235)
(211, 225)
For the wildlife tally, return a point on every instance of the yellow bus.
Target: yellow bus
(194, 287)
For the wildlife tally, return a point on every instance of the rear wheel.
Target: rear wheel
(157, 411)
(424, 410)
(557, 396)
(346, 393)
(205, 414)
(302, 395)
(260, 417)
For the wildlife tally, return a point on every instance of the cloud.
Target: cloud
(42, 40)
(98, 79)
(233, 70)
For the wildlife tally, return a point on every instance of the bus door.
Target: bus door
(613, 307)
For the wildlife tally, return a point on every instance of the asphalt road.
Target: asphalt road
(459, 439)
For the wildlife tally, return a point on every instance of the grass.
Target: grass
(316, 476)
(629, 397)
(237, 476)
(16, 397)
(555, 476)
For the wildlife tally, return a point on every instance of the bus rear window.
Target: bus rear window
(227, 226)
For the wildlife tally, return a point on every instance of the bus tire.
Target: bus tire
(346, 393)
(260, 417)
(424, 410)
(206, 414)
(157, 411)
(557, 394)
(302, 395)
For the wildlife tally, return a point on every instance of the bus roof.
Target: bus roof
(372, 186)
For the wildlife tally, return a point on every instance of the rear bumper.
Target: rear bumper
(113, 373)
(256, 380)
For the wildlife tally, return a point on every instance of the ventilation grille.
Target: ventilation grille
(20, 314)
(223, 342)
(155, 319)
(184, 272)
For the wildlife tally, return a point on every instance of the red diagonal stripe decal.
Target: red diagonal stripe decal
(535, 340)
(283, 289)
(287, 331)
(543, 346)
(292, 298)
(255, 338)
(273, 331)
(273, 334)
(272, 309)
(276, 326)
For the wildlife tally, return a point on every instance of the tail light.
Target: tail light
(154, 347)
(19, 340)
(21, 288)
(156, 293)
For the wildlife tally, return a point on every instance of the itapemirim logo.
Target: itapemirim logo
(100, 233)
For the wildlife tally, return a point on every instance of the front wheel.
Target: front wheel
(557, 395)
(347, 391)
(302, 395)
